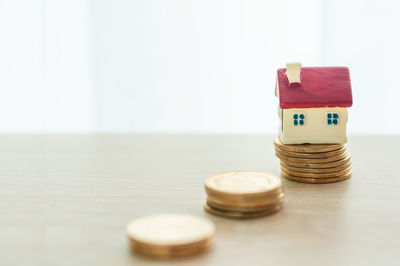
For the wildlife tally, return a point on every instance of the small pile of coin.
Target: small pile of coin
(243, 194)
(313, 163)
(170, 235)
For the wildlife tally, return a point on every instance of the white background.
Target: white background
(187, 66)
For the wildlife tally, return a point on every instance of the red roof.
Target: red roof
(318, 87)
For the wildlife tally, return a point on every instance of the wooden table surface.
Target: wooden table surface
(65, 200)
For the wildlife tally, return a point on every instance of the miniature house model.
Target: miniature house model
(313, 103)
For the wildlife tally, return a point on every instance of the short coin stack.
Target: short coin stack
(243, 194)
(313, 163)
(170, 235)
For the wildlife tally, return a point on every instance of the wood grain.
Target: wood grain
(65, 200)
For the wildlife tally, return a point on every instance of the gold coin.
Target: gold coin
(170, 252)
(245, 207)
(169, 232)
(239, 214)
(239, 202)
(316, 180)
(320, 175)
(317, 165)
(310, 155)
(136, 244)
(316, 170)
(313, 160)
(306, 148)
(258, 198)
(246, 183)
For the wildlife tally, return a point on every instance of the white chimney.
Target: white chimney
(293, 72)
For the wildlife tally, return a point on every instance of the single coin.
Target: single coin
(140, 245)
(313, 160)
(169, 230)
(238, 203)
(310, 155)
(306, 148)
(244, 208)
(169, 252)
(244, 198)
(243, 182)
(320, 175)
(241, 215)
(316, 180)
(318, 165)
(316, 170)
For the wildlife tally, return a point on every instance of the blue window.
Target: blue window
(299, 119)
(332, 118)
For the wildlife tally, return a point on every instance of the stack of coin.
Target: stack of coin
(243, 194)
(170, 235)
(313, 163)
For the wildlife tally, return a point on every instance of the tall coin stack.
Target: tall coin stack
(313, 163)
(243, 194)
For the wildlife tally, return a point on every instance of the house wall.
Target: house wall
(315, 128)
